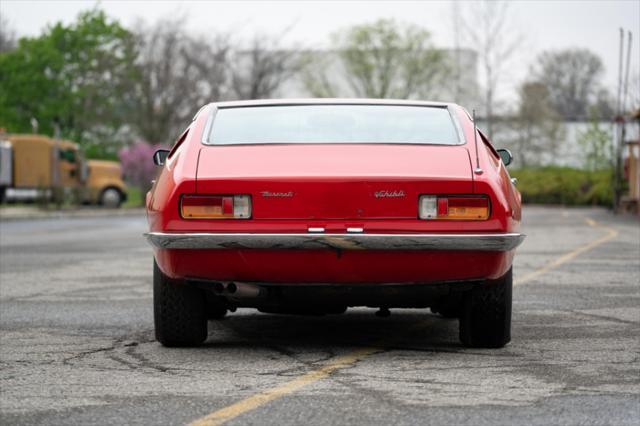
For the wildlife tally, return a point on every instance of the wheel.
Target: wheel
(485, 319)
(448, 308)
(111, 198)
(217, 307)
(447, 312)
(179, 311)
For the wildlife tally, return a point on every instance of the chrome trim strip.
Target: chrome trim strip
(328, 102)
(456, 124)
(207, 126)
(216, 241)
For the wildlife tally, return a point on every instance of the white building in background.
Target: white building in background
(568, 151)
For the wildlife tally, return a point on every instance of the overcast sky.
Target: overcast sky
(545, 24)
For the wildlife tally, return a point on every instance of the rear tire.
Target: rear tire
(450, 307)
(179, 311)
(485, 319)
(450, 312)
(217, 307)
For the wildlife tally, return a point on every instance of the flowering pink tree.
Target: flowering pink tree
(137, 164)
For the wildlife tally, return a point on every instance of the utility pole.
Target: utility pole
(622, 122)
(626, 72)
(617, 148)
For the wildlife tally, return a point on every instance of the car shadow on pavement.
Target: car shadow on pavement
(416, 330)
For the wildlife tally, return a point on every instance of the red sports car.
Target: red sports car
(312, 206)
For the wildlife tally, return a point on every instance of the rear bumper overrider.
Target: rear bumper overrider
(429, 242)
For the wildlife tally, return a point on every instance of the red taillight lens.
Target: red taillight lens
(215, 206)
(454, 207)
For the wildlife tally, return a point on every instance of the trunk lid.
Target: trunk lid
(334, 181)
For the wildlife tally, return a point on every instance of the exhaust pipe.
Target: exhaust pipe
(219, 288)
(243, 290)
(237, 290)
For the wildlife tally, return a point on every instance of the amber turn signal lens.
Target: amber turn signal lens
(215, 207)
(468, 208)
(453, 207)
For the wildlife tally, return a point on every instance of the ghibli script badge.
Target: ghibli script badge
(389, 194)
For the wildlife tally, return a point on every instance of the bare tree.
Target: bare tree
(7, 36)
(572, 77)
(382, 60)
(603, 105)
(488, 27)
(259, 71)
(537, 126)
(456, 69)
(178, 74)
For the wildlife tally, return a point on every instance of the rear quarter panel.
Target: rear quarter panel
(494, 179)
(177, 176)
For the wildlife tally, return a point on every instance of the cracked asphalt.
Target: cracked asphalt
(77, 346)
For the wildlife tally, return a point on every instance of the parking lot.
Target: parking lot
(77, 345)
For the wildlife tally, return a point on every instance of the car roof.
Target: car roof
(330, 101)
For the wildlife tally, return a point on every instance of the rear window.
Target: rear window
(333, 124)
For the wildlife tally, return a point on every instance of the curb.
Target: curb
(19, 213)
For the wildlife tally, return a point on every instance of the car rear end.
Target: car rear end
(296, 218)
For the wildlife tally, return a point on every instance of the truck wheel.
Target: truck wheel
(179, 311)
(485, 319)
(111, 198)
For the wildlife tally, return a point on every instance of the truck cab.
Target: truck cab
(35, 166)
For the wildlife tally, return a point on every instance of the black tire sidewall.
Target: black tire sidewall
(179, 311)
(485, 320)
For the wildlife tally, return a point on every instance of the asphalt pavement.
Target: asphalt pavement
(77, 346)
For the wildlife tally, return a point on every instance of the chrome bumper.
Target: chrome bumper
(475, 242)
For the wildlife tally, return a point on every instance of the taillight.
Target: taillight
(453, 207)
(215, 206)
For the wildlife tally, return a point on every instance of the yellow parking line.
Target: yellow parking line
(231, 411)
(611, 233)
(234, 410)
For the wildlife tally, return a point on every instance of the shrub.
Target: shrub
(137, 164)
(564, 185)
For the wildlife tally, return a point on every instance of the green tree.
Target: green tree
(596, 144)
(78, 76)
(381, 60)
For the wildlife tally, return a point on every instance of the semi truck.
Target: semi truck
(36, 166)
